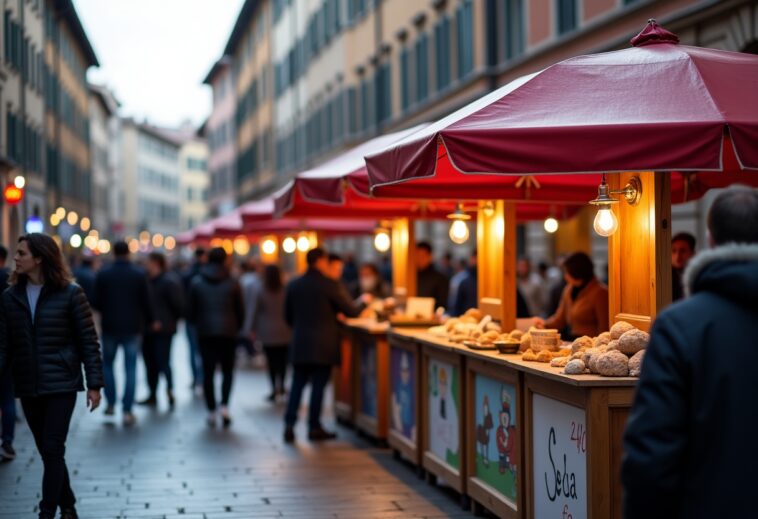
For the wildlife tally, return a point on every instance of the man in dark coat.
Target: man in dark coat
(467, 294)
(196, 361)
(122, 297)
(430, 282)
(688, 440)
(85, 275)
(168, 302)
(312, 303)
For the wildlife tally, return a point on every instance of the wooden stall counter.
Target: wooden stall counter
(532, 442)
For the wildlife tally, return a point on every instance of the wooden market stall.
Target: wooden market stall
(563, 456)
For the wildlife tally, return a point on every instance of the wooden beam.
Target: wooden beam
(403, 258)
(496, 258)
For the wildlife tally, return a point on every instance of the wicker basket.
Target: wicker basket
(549, 340)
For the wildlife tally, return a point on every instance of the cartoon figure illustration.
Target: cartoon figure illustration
(443, 417)
(483, 432)
(506, 438)
(402, 401)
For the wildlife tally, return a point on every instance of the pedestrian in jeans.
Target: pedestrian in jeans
(217, 310)
(7, 398)
(271, 329)
(47, 334)
(122, 296)
(311, 307)
(196, 362)
(167, 296)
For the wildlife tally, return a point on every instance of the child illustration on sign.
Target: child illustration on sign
(402, 401)
(506, 437)
(483, 432)
(443, 433)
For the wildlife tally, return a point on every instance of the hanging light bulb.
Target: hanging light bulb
(606, 222)
(459, 232)
(303, 244)
(382, 241)
(268, 246)
(289, 245)
(551, 225)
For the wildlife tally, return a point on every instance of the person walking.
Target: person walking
(687, 441)
(7, 397)
(46, 335)
(122, 296)
(430, 282)
(216, 309)
(167, 297)
(311, 306)
(84, 275)
(250, 284)
(467, 293)
(682, 251)
(271, 329)
(195, 360)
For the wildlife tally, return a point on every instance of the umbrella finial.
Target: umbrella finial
(654, 34)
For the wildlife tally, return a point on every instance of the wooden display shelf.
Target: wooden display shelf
(405, 442)
(371, 376)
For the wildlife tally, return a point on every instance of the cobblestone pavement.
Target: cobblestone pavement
(171, 465)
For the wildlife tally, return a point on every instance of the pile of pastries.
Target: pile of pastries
(617, 353)
(474, 327)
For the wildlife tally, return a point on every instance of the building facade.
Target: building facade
(219, 131)
(346, 70)
(150, 169)
(107, 189)
(193, 182)
(44, 125)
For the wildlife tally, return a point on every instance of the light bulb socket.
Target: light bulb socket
(459, 214)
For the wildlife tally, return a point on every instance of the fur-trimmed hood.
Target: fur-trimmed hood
(730, 270)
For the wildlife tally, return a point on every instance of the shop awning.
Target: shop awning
(658, 106)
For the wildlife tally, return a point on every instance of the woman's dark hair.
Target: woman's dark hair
(272, 278)
(579, 266)
(54, 270)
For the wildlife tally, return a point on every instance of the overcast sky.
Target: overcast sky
(155, 53)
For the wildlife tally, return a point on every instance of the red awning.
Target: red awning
(657, 106)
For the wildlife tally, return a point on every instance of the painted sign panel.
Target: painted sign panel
(403, 403)
(444, 412)
(560, 459)
(496, 436)
(368, 379)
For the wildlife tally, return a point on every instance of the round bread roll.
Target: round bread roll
(613, 345)
(493, 327)
(544, 356)
(603, 338)
(635, 363)
(526, 342)
(529, 355)
(613, 364)
(588, 353)
(582, 343)
(618, 329)
(633, 341)
(559, 362)
(578, 355)
(575, 367)
(516, 334)
(474, 313)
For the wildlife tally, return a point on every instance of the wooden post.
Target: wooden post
(403, 258)
(639, 252)
(496, 258)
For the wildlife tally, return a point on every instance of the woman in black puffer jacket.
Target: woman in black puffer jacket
(46, 335)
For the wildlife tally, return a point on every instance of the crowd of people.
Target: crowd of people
(53, 323)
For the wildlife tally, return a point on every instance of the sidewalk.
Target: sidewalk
(171, 465)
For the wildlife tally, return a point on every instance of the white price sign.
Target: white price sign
(560, 460)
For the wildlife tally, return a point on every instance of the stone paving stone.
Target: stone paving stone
(172, 466)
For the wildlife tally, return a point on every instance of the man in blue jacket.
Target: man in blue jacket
(689, 438)
(123, 299)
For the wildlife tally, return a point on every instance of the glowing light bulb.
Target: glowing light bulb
(241, 246)
(157, 240)
(170, 243)
(76, 241)
(289, 245)
(19, 182)
(459, 232)
(382, 241)
(606, 222)
(303, 244)
(103, 246)
(268, 246)
(85, 224)
(72, 218)
(60, 213)
(551, 225)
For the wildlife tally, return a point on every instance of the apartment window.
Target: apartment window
(442, 52)
(422, 67)
(513, 24)
(464, 20)
(567, 15)
(383, 89)
(405, 78)
(352, 110)
(189, 194)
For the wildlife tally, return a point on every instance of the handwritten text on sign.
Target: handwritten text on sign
(560, 460)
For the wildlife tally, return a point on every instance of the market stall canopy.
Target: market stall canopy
(658, 106)
(325, 226)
